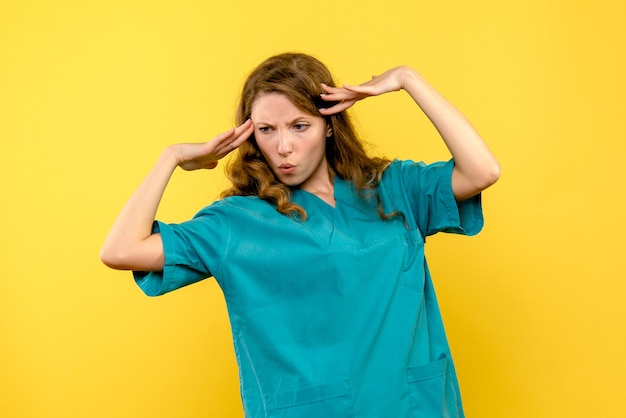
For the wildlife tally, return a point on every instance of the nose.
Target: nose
(284, 143)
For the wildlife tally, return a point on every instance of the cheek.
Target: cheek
(263, 147)
(319, 147)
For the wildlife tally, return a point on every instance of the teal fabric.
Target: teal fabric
(335, 316)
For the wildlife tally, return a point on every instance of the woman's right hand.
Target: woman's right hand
(130, 244)
(206, 155)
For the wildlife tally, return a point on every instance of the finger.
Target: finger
(224, 135)
(244, 128)
(344, 95)
(239, 135)
(362, 89)
(230, 135)
(339, 107)
(335, 93)
(242, 133)
(210, 165)
(329, 89)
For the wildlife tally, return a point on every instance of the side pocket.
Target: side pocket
(413, 262)
(427, 390)
(329, 400)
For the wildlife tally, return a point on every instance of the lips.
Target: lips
(286, 168)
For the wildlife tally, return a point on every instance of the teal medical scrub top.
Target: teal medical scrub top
(335, 316)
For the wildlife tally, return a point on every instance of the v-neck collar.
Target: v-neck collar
(338, 183)
(346, 201)
(353, 220)
(314, 205)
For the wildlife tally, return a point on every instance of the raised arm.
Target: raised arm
(130, 244)
(475, 166)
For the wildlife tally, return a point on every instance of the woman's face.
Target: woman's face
(292, 140)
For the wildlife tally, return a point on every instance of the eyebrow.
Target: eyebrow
(292, 122)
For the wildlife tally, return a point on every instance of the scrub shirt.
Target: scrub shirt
(335, 316)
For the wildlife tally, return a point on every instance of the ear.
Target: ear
(329, 131)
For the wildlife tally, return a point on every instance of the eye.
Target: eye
(264, 129)
(300, 126)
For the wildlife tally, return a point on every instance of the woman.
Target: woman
(318, 248)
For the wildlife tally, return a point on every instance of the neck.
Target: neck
(323, 187)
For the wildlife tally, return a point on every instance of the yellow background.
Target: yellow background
(92, 91)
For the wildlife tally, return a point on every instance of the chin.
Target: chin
(291, 181)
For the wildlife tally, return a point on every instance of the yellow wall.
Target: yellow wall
(91, 91)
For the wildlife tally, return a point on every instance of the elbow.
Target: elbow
(129, 256)
(486, 177)
(491, 174)
(468, 185)
(112, 258)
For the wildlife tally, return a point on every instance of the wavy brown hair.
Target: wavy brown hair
(299, 77)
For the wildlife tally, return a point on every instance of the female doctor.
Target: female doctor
(318, 248)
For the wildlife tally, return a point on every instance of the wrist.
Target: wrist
(407, 76)
(169, 157)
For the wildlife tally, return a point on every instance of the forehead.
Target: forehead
(276, 106)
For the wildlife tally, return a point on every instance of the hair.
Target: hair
(299, 77)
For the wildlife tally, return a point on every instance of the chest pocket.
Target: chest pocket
(413, 264)
(330, 400)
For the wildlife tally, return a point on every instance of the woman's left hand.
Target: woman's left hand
(348, 95)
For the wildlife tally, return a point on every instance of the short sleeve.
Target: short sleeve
(428, 188)
(193, 251)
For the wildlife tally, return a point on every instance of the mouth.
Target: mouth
(286, 168)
